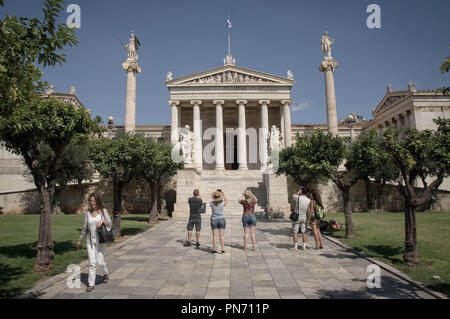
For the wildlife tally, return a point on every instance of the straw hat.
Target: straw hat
(217, 196)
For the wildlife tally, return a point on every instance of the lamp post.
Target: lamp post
(351, 121)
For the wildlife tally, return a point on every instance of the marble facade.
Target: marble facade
(230, 98)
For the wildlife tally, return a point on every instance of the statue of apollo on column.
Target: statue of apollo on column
(326, 44)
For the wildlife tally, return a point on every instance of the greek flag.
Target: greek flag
(228, 24)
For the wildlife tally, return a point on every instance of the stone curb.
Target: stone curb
(35, 292)
(388, 268)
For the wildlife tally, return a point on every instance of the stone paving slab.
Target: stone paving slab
(156, 265)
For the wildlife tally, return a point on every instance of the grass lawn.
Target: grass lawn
(382, 235)
(18, 241)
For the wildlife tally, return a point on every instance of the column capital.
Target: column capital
(198, 102)
(283, 102)
(174, 103)
(261, 102)
(131, 66)
(328, 64)
(238, 102)
(221, 102)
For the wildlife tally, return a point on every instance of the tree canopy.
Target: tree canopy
(157, 168)
(423, 155)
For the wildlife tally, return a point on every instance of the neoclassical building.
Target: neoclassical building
(228, 125)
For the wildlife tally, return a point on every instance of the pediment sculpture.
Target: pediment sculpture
(229, 77)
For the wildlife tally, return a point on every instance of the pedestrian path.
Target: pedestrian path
(156, 265)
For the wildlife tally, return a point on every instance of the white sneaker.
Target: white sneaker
(293, 248)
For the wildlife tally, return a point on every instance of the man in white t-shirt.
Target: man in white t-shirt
(302, 204)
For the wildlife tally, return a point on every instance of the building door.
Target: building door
(231, 156)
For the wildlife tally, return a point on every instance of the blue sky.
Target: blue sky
(189, 36)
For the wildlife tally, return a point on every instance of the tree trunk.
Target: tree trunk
(153, 219)
(316, 196)
(45, 247)
(369, 198)
(349, 231)
(117, 210)
(411, 255)
(54, 200)
(380, 188)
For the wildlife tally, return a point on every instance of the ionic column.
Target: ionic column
(265, 131)
(242, 136)
(220, 162)
(287, 123)
(328, 66)
(198, 147)
(132, 68)
(174, 135)
(282, 125)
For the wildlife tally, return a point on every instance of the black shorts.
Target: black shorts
(197, 222)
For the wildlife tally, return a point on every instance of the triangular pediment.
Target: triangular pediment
(229, 75)
(390, 99)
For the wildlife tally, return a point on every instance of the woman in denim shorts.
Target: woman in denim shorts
(218, 223)
(248, 201)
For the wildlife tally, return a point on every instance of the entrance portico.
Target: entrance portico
(226, 102)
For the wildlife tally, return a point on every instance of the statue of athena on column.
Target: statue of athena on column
(133, 46)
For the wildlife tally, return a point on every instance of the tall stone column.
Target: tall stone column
(220, 161)
(174, 135)
(287, 123)
(242, 136)
(328, 66)
(198, 147)
(132, 68)
(265, 131)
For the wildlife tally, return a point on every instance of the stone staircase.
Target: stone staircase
(271, 191)
(233, 184)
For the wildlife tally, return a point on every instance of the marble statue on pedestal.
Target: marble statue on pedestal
(186, 141)
(326, 44)
(132, 47)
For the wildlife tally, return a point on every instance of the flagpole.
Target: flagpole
(229, 42)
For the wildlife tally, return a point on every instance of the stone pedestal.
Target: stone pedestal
(277, 195)
(327, 67)
(187, 181)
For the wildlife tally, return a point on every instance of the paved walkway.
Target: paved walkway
(156, 265)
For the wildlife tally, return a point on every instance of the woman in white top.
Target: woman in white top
(94, 219)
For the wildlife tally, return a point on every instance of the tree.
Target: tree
(72, 167)
(26, 44)
(344, 179)
(313, 160)
(119, 161)
(445, 67)
(424, 155)
(157, 169)
(41, 134)
(310, 160)
(372, 162)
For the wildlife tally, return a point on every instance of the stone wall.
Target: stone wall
(74, 199)
(390, 198)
